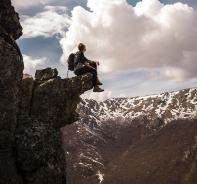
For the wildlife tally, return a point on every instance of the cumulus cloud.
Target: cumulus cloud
(149, 36)
(51, 22)
(27, 4)
(97, 96)
(31, 63)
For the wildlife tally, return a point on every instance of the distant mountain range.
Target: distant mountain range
(151, 139)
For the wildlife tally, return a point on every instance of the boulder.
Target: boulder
(46, 74)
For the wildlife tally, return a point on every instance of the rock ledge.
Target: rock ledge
(48, 103)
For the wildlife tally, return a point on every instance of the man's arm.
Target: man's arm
(89, 66)
(83, 59)
(87, 60)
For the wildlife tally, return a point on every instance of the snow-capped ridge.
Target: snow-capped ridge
(166, 106)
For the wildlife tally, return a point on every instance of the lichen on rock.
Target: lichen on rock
(36, 143)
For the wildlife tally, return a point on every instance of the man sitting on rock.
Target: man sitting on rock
(83, 66)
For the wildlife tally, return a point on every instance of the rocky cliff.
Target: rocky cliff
(47, 104)
(32, 111)
(11, 68)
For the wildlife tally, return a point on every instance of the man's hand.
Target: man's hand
(97, 62)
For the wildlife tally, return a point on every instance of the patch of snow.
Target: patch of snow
(101, 176)
(95, 161)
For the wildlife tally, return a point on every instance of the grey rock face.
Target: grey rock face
(55, 100)
(11, 67)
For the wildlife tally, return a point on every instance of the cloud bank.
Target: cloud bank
(149, 36)
(53, 21)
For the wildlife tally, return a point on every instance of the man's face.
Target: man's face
(85, 48)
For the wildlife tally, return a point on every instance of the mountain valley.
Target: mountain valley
(143, 140)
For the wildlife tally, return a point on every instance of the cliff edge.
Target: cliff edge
(32, 111)
(47, 104)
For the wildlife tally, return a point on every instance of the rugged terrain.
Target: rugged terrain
(143, 140)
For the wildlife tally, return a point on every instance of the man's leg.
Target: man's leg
(93, 64)
(85, 70)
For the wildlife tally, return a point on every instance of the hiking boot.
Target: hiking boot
(99, 82)
(97, 89)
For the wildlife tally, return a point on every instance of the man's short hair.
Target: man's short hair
(81, 46)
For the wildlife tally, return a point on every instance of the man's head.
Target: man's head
(82, 47)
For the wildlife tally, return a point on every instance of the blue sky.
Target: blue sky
(135, 80)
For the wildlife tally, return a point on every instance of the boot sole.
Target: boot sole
(98, 91)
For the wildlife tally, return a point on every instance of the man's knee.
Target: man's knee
(93, 64)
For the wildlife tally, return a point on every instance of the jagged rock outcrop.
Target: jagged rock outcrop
(32, 112)
(11, 68)
(46, 106)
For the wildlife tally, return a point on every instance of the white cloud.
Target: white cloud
(149, 36)
(53, 21)
(30, 64)
(97, 96)
(27, 4)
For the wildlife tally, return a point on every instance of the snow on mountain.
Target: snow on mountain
(166, 106)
